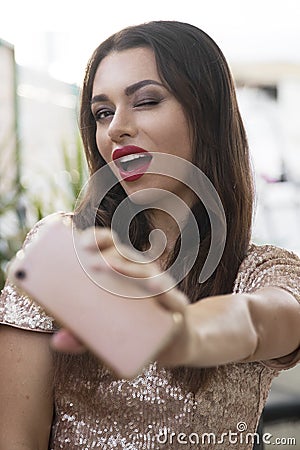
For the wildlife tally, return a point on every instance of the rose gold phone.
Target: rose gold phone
(125, 333)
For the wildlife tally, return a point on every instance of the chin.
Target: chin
(148, 196)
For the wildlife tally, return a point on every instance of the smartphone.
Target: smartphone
(125, 333)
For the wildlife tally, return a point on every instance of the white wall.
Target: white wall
(7, 118)
(274, 139)
(48, 121)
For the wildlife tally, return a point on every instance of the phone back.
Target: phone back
(125, 333)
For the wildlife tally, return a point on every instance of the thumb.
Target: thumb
(64, 341)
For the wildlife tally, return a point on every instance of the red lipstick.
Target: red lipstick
(132, 162)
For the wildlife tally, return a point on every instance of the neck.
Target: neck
(166, 231)
(168, 217)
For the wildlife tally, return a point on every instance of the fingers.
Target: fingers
(102, 249)
(105, 240)
(97, 238)
(90, 245)
(173, 300)
(64, 341)
(129, 267)
(124, 260)
(102, 244)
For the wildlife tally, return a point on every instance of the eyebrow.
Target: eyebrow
(128, 91)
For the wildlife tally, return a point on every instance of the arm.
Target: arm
(25, 389)
(261, 325)
(256, 326)
(237, 328)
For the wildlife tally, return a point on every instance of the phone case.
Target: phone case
(125, 333)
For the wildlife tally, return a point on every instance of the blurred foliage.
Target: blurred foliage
(76, 168)
(10, 242)
(21, 208)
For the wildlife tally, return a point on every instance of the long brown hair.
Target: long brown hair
(195, 70)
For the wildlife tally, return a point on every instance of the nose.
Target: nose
(122, 125)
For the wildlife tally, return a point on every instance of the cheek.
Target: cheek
(177, 136)
(102, 146)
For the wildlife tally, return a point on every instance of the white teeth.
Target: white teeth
(131, 157)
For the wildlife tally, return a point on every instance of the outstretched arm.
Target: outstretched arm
(243, 327)
(237, 327)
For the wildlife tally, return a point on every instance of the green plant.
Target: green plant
(13, 230)
(76, 168)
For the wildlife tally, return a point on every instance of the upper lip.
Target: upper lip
(127, 150)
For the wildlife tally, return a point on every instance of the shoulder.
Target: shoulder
(16, 308)
(268, 265)
(260, 257)
(33, 233)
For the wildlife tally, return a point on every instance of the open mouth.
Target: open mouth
(134, 162)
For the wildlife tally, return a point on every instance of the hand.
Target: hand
(117, 258)
(64, 341)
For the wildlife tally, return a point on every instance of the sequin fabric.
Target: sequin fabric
(18, 310)
(93, 410)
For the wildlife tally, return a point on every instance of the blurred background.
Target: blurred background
(44, 47)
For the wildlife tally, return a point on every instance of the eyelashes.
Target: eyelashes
(147, 102)
(102, 114)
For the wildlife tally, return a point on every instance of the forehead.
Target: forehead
(123, 68)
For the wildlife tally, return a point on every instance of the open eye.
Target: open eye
(102, 114)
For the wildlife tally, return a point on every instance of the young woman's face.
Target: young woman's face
(138, 118)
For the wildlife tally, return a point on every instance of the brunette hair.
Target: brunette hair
(195, 70)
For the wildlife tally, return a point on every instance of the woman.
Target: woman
(162, 88)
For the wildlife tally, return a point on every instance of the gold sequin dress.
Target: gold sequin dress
(93, 410)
